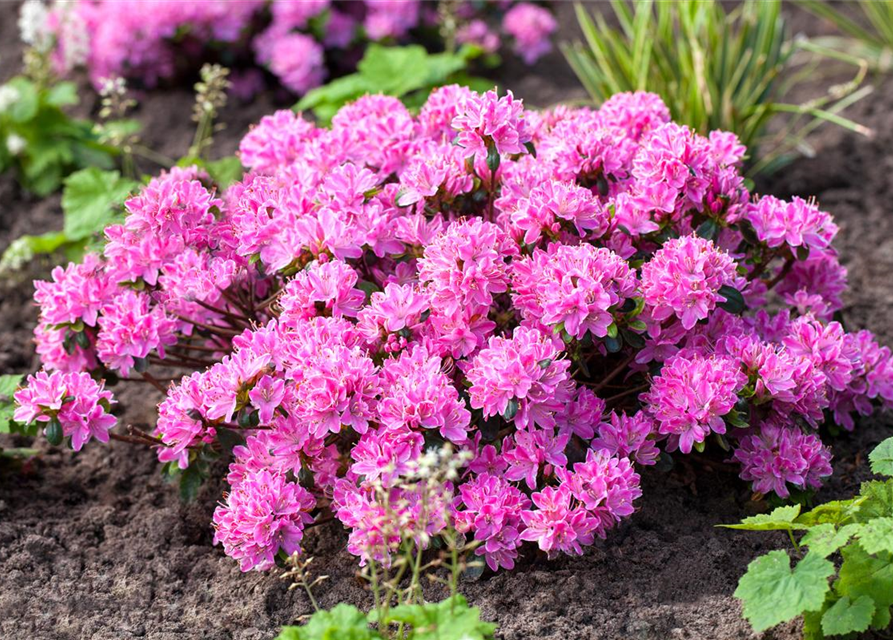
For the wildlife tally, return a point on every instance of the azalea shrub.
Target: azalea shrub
(562, 296)
(298, 43)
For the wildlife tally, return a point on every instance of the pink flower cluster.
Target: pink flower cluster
(296, 41)
(74, 404)
(560, 296)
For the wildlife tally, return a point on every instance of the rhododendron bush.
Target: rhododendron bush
(560, 296)
(296, 41)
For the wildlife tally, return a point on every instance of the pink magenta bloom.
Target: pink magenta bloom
(572, 286)
(492, 511)
(525, 370)
(263, 513)
(78, 403)
(781, 455)
(691, 395)
(372, 289)
(796, 223)
(531, 26)
(684, 277)
(490, 120)
(556, 524)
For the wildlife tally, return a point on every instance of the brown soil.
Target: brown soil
(97, 546)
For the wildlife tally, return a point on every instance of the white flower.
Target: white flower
(15, 143)
(8, 97)
(33, 27)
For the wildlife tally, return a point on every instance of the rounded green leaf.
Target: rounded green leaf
(846, 616)
(773, 593)
(882, 458)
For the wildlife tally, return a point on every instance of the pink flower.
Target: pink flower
(605, 485)
(296, 59)
(556, 525)
(266, 396)
(691, 395)
(78, 404)
(277, 140)
(684, 277)
(489, 120)
(492, 511)
(628, 436)
(796, 223)
(574, 287)
(130, 329)
(77, 293)
(323, 288)
(466, 265)
(543, 211)
(781, 454)
(477, 32)
(530, 451)
(262, 514)
(527, 372)
(531, 26)
(417, 394)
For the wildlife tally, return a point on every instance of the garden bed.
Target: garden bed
(96, 545)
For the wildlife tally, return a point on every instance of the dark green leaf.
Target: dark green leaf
(734, 300)
(707, 229)
(493, 158)
(511, 410)
(54, 432)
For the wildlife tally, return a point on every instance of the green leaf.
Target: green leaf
(734, 300)
(89, 199)
(876, 501)
(824, 539)
(882, 458)
(191, 481)
(27, 105)
(511, 409)
(772, 593)
(862, 574)
(8, 384)
(451, 619)
(847, 616)
(62, 94)
(343, 622)
(877, 535)
(493, 158)
(707, 229)
(54, 432)
(781, 519)
(225, 171)
(834, 512)
(395, 70)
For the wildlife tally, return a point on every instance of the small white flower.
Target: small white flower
(33, 27)
(8, 97)
(15, 144)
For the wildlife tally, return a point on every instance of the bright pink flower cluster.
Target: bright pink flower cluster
(74, 404)
(295, 40)
(558, 296)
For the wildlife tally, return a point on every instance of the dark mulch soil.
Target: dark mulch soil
(97, 546)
